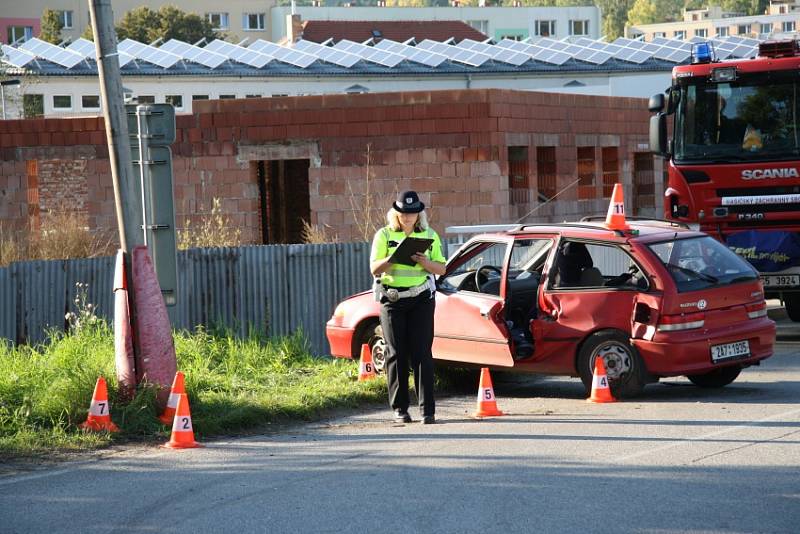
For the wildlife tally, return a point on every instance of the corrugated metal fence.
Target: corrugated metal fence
(272, 288)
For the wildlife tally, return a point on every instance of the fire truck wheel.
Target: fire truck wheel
(373, 337)
(624, 367)
(717, 378)
(792, 303)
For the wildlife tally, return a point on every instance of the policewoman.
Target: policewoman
(407, 297)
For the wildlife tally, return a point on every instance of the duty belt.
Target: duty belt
(395, 294)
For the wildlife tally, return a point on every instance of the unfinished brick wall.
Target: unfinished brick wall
(451, 146)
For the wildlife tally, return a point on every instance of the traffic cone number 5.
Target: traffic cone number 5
(488, 394)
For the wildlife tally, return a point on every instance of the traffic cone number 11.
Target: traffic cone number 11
(619, 209)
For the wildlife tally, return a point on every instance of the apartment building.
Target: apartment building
(238, 18)
(781, 18)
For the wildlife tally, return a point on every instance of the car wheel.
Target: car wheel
(792, 303)
(717, 378)
(624, 367)
(377, 346)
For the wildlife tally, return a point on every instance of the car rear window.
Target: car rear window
(702, 262)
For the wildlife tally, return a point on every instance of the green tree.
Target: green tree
(88, 33)
(615, 15)
(643, 12)
(177, 24)
(137, 24)
(406, 3)
(52, 24)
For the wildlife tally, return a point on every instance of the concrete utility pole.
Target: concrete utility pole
(126, 197)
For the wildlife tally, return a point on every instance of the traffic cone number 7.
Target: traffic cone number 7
(102, 407)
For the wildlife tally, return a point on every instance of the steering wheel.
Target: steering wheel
(479, 274)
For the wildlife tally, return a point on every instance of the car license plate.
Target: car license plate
(780, 280)
(729, 351)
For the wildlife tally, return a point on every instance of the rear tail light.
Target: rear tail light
(759, 309)
(686, 321)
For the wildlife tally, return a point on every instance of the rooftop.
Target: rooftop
(320, 31)
(384, 57)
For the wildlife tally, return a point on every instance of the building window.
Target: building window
(545, 28)
(66, 19)
(253, 21)
(175, 100)
(586, 173)
(610, 169)
(723, 31)
(252, 96)
(680, 34)
(90, 101)
(662, 35)
(199, 97)
(227, 97)
(511, 36)
(579, 27)
(701, 32)
(546, 172)
(788, 26)
(743, 29)
(480, 25)
(32, 105)
(146, 99)
(62, 102)
(766, 28)
(518, 171)
(219, 21)
(19, 33)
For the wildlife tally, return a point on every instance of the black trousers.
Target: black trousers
(408, 330)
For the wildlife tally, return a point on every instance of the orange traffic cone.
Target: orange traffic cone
(601, 392)
(615, 220)
(487, 404)
(172, 404)
(99, 411)
(366, 369)
(182, 431)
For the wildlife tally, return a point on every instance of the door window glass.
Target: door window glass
(478, 269)
(591, 265)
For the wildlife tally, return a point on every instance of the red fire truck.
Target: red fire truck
(734, 157)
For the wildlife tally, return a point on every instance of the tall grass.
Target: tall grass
(233, 385)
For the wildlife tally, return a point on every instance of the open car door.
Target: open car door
(470, 316)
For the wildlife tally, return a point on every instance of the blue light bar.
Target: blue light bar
(702, 53)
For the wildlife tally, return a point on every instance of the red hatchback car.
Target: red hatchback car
(653, 301)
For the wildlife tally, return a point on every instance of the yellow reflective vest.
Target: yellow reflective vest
(386, 242)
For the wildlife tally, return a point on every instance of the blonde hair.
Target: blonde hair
(393, 220)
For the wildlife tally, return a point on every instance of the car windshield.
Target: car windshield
(702, 262)
(744, 120)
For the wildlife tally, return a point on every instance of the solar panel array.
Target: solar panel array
(50, 52)
(370, 53)
(193, 53)
(16, 57)
(387, 53)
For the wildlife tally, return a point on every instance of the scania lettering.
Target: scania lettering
(758, 174)
(733, 162)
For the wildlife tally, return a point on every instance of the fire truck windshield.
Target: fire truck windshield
(745, 120)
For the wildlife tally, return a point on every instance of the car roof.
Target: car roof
(642, 230)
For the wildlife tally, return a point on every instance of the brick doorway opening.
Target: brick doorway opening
(283, 200)
(644, 189)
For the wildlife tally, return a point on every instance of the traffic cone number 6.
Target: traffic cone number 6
(368, 367)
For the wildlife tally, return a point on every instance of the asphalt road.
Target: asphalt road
(679, 459)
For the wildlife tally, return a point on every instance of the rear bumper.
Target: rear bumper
(686, 353)
(340, 340)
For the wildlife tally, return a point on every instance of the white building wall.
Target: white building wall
(641, 85)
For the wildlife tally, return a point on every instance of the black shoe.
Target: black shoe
(428, 419)
(401, 416)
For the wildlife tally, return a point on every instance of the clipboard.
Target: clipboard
(409, 247)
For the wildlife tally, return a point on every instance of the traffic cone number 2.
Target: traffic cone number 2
(182, 424)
